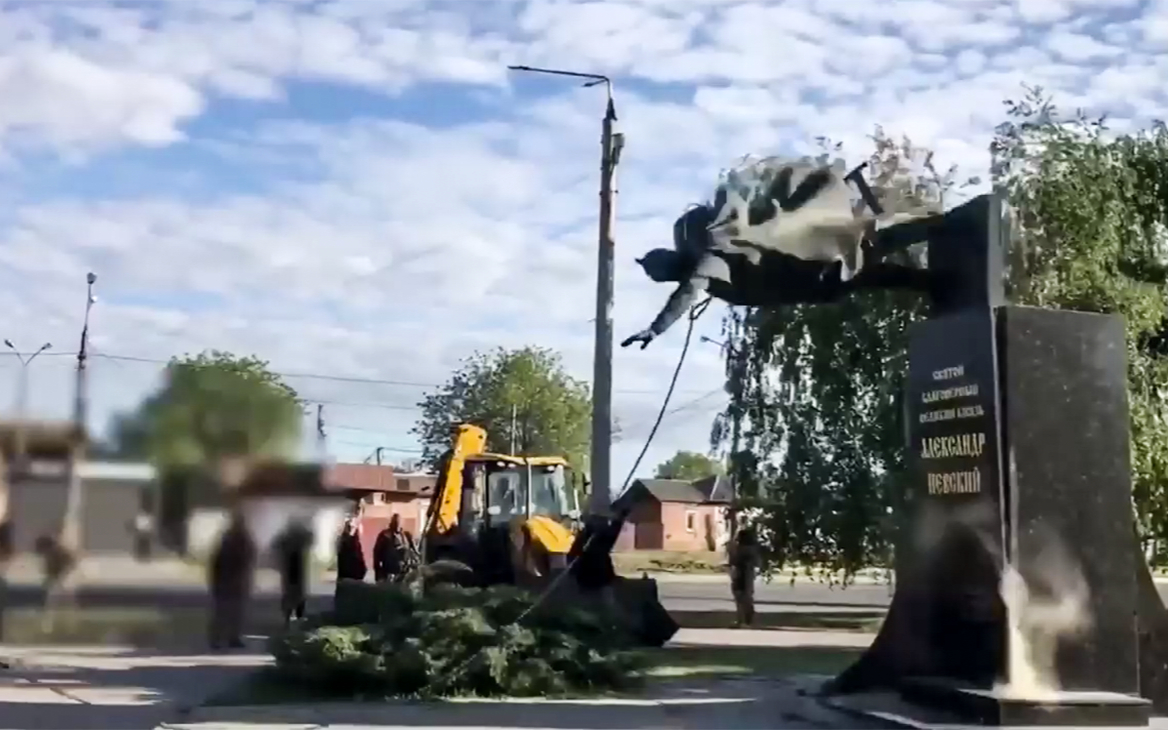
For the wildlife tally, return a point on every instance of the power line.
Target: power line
(319, 376)
(374, 444)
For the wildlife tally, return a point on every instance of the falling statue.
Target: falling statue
(777, 233)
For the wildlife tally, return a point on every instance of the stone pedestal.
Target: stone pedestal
(1018, 437)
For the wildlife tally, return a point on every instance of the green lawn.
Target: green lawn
(860, 620)
(748, 661)
(634, 562)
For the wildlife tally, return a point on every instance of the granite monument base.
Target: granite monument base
(1061, 709)
(1018, 435)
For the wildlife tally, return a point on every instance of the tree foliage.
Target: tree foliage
(523, 398)
(1092, 209)
(814, 422)
(815, 425)
(211, 406)
(688, 466)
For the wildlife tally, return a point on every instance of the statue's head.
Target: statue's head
(663, 264)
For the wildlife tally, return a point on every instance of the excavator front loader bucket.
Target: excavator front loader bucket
(635, 600)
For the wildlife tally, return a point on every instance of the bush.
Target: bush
(383, 640)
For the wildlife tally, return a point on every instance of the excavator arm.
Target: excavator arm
(443, 515)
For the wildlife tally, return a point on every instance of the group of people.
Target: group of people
(394, 552)
(232, 569)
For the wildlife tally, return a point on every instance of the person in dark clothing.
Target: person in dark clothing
(232, 570)
(350, 555)
(744, 563)
(392, 552)
(292, 553)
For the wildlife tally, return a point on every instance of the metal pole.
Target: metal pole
(71, 529)
(514, 425)
(322, 438)
(611, 143)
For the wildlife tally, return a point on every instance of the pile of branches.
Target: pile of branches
(385, 640)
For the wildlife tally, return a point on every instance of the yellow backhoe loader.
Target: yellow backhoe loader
(506, 519)
(516, 520)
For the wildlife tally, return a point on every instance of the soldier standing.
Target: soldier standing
(744, 562)
(391, 552)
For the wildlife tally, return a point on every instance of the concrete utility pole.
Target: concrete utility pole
(22, 384)
(71, 528)
(611, 144)
(321, 437)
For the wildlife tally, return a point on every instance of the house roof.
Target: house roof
(670, 490)
(369, 478)
(703, 491)
(715, 488)
(360, 476)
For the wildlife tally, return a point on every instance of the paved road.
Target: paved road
(130, 585)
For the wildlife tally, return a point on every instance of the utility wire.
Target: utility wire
(309, 376)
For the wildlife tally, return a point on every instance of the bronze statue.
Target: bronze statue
(765, 244)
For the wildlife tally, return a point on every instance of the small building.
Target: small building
(114, 494)
(670, 514)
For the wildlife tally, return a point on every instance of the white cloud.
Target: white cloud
(383, 248)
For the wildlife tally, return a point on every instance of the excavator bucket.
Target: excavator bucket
(635, 600)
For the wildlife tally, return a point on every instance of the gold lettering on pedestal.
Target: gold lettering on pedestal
(955, 482)
(948, 447)
(944, 394)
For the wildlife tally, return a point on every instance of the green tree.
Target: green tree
(688, 466)
(525, 400)
(212, 406)
(814, 421)
(1093, 236)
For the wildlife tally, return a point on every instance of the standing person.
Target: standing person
(390, 551)
(231, 572)
(350, 555)
(744, 562)
(292, 553)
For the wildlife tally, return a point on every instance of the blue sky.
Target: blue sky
(296, 179)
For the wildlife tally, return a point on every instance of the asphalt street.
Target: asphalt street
(114, 588)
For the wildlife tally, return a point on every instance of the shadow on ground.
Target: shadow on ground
(730, 704)
(121, 690)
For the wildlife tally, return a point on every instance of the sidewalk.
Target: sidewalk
(59, 688)
(65, 688)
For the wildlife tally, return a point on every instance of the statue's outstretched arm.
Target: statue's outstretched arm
(682, 298)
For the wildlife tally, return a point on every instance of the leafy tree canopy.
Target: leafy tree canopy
(211, 406)
(814, 425)
(688, 466)
(525, 400)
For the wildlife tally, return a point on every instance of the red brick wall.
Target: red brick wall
(689, 526)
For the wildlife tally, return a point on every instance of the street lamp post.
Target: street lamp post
(71, 527)
(22, 384)
(611, 144)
